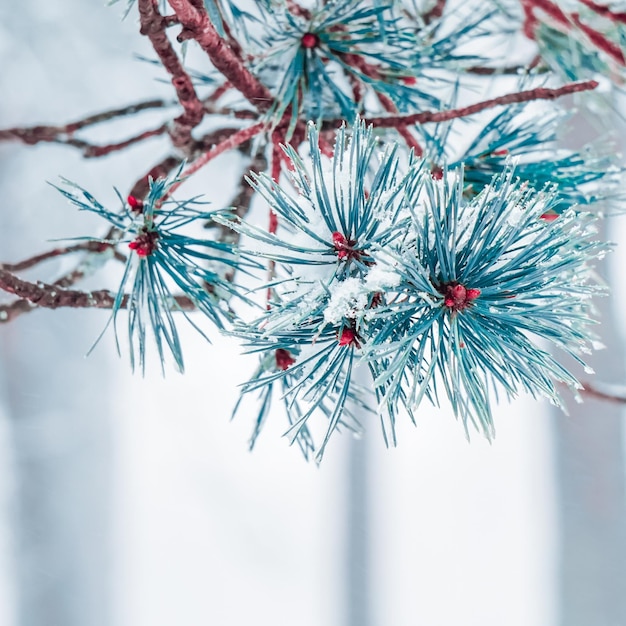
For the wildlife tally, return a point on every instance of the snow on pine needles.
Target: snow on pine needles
(433, 292)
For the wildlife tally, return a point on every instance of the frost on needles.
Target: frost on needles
(435, 292)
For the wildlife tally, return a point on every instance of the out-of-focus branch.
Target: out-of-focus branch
(603, 391)
(241, 205)
(91, 151)
(540, 93)
(600, 41)
(296, 9)
(87, 246)
(236, 139)
(154, 26)
(571, 21)
(605, 11)
(372, 71)
(32, 135)
(435, 12)
(53, 297)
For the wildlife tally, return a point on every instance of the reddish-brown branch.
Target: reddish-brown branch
(358, 62)
(87, 246)
(570, 21)
(240, 207)
(236, 139)
(170, 20)
(91, 151)
(154, 26)
(166, 166)
(404, 132)
(161, 170)
(540, 93)
(198, 26)
(549, 8)
(610, 393)
(218, 93)
(605, 11)
(300, 11)
(435, 12)
(600, 41)
(512, 70)
(32, 135)
(53, 297)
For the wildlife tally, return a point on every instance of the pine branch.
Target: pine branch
(604, 391)
(234, 140)
(198, 26)
(154, 26)
(539, 93)
(49, 296)
(605, 11)
(88, 246)
(32, 135)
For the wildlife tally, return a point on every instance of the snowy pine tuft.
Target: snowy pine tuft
(435, 293)
(163, 257)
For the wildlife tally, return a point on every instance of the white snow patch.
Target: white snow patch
(380, 278)
(347, 299)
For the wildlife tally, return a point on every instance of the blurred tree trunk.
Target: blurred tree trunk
(358, 532)
(589, 464)
(56, 402)
(61, 453)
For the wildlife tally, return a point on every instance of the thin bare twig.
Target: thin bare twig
(611, 393)
(31, 135)
(53, 297)
(540, 93)
(87, 246)
(237, 138)
(605, 11)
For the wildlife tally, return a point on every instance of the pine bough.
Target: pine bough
(405, 265)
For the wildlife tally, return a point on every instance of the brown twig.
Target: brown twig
(154, 25)
(234, 140)
(435, 12)
(296, 9)
(605, 11)
(403, 130)
(372, 71)
(241, 205)
(32, 135)
(540, 93)
(53, 297)
(88, 246)
(198, 26)
(571, 21)
(98, 151)
(512, 70)
(609, 392)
